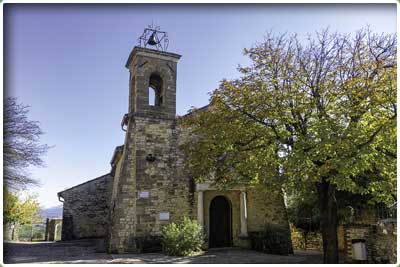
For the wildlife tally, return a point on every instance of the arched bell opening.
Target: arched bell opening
(155, 90)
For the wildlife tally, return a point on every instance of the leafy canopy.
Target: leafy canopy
(21, 210)
(301, 113)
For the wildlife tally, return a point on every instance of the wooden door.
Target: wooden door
(220, 223)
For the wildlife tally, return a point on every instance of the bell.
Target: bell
(152, 40)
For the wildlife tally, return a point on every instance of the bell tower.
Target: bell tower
(152, 83)
(145, 183)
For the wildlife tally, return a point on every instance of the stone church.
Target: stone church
(149, 187)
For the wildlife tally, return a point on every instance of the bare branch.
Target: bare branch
(21, 145)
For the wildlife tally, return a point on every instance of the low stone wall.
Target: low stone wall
(380, 240)
(383, 245)
(306, 241)
(351, 232)
(52, 229)
(10, 232)
(86, 209)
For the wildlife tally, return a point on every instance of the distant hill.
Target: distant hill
(53, 212)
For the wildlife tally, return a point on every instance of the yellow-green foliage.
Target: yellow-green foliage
(20, 210)
(303, 113)
(182, 239)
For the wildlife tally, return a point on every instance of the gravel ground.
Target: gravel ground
(92, 251)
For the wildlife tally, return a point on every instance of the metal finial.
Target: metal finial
(152, 36)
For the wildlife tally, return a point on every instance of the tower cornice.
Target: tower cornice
(141, 51)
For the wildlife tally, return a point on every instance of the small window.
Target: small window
(155, 90)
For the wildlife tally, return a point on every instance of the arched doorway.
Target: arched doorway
(220, 223)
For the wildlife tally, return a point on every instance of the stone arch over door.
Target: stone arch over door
(220, 234)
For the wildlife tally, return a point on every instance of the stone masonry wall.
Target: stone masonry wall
(168, 190)
(351, 232)
(121, 232)
(158, 186)
(267, 211)
(265, 208)
(302, 240)
(51, 230)
(383, 242)
(380, 240)
(85, 209)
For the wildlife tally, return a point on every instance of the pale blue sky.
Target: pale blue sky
(67, 63)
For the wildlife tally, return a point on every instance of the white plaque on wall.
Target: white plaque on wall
(164, 216)
(144, 194)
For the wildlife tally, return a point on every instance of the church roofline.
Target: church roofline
(151, 53)
(203, 108)
(75, 186)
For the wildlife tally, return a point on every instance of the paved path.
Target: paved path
(92, 251)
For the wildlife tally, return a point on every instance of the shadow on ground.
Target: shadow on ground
(92, 251)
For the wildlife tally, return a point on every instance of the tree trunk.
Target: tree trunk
(13, 231)
(328, 214)
(305, 240)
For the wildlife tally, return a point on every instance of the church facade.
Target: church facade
(149, 186)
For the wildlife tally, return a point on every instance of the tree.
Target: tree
(22, 210)
(18, 210)
(10, 203)
(21, 147)
(320, 114)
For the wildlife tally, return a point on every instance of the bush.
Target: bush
(273, 240)
(182, 239)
